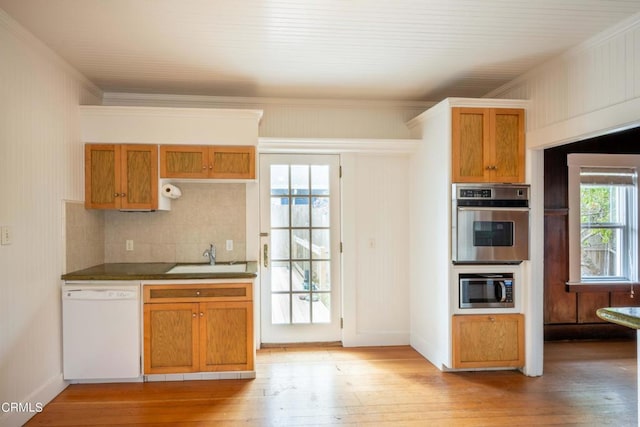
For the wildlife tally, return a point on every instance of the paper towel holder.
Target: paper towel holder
(170, 191)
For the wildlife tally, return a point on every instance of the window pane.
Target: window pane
(600, 204)
(300, 249)
(300, 277)
(602, 254)
(322, 308)
(301, 308)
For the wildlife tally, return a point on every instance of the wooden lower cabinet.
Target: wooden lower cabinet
(488, 341)
(213, 335)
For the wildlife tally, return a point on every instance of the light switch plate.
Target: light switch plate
(6, 235)
(129, 245)
(229, 245)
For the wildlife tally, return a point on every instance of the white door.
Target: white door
(300, 266)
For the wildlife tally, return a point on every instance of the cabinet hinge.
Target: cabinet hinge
(340, 247)
(342, 323)
(340, 171)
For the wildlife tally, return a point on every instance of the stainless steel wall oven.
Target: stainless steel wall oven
(490, 223)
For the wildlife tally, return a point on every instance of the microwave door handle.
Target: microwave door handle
(503, 291)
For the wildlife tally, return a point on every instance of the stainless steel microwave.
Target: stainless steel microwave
(490, 224)
(486, 290)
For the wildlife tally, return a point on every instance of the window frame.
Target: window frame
(575, 162)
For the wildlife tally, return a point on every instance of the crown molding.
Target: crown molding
(131, 111)
(32, 42)
(337, 145)
(127, 98)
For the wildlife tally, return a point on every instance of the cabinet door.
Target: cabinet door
(231, 162)
(171, 338)
(184, 161)
(507, 146)
(226, 336)
(102, 176)
(470, 144)
(483, 341)
(139, 189)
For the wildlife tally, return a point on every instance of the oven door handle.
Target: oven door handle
(500, 209)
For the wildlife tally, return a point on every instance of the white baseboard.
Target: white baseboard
(375, 339)
(32, 404)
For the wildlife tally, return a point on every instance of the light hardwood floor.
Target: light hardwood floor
(585, 384)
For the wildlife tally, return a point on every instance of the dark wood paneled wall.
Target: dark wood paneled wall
(571, 315)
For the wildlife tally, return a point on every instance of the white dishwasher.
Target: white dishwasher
(101, 331)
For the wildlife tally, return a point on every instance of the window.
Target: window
(603, 210)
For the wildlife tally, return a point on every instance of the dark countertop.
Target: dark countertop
(625, 316)
(152, 271)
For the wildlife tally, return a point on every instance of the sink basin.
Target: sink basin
(207, 268)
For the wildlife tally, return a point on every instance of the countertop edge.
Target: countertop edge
(138, 272)
(618, 317)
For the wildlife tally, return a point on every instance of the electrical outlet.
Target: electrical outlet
(6, 235)
(229, 245)
(129, 245)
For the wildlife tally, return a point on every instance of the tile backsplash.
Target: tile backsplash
(206, 213)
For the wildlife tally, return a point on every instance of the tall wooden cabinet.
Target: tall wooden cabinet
(121, 176)
(207, 162)
(488, 144)
(198, 328)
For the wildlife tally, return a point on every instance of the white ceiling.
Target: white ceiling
(359, 49)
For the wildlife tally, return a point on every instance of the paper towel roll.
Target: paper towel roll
(171, 191)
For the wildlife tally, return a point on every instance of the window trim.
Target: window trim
(575, 161)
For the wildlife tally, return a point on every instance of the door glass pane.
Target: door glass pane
(279, 244)
(279, 179)
(300, 276)
(300, 212)
(320, 212)
(322, 308)
(321, 247)
(280, 309)
(320, 180)
(301, 308)
(279, 211)
(321, 275)
(300, 179)
(280, 278)
(300, 244)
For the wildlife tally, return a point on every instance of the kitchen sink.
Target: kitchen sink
(208, 268)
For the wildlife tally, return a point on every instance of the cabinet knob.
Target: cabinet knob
(194, 315)
(201, 314)
(116, 194)
(123, 194)
(198, 293)
(204, 167)
(492, 319)
(210, 166)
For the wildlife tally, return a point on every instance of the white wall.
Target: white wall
(41, 160)
(375, 203)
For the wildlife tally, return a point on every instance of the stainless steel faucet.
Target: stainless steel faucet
(211, 253)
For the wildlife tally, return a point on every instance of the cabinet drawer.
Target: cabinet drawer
(197, 292)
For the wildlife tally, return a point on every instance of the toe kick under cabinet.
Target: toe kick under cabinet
(198, 328)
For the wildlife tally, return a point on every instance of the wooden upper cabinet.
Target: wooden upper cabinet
(207, 162)
(488, 145)
(121, 176)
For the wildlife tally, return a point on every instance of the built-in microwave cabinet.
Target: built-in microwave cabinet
(488, 341)
(121, 176)
(207, 162)
(488, 145)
